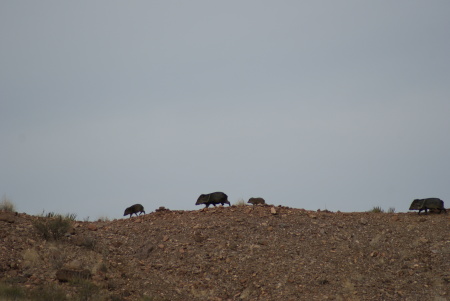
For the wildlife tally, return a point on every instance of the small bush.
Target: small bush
(391, 210)
(57, 256)
(52, 228)
(31, 258)
(376, 209)
(7, 205)
(49, 214)
(103, 219)
(240, 202)
(71, 216)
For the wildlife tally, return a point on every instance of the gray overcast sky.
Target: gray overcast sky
(338, 105)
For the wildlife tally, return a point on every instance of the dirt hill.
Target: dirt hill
(228, 253)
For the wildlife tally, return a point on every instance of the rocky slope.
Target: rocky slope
(230, 253)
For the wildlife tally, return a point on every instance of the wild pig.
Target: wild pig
(134, 210)
(425, 204)
(214, 198)
(256, 201)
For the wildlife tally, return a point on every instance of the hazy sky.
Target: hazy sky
(338, 105)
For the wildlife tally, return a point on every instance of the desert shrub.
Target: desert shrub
(103, 219)
(48, 214)
(52, 228)
(10, 292)
(31, 258)
(57, 255)
(70, 216)
(240, 202)
(376, 209)
(7, 205)
(391, 210)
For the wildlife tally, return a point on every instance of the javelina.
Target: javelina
(425, 204)
(255, 201)
(134, 210)
(214, 198)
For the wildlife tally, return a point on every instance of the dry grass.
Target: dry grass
(103, 219)
(376, 209)
(240, 202)
(31, 258)
(7, 205)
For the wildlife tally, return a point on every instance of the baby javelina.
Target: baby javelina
(134, 210)
(256, 201)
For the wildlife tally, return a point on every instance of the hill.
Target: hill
(228, 253)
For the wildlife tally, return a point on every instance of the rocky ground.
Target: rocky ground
(230, 253)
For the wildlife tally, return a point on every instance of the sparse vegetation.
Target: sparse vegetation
(7, 205)
(68, 216)
(71, 216)
(134, 259)
(57, 256)
(31, 258)
(376, 209)
(53, 226)
(240, 202)
(103, 219)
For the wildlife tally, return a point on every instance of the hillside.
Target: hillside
(230, 253)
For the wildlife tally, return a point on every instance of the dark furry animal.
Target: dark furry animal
(425, 204)
(214, 198)
(256, 201)
(134, 210)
